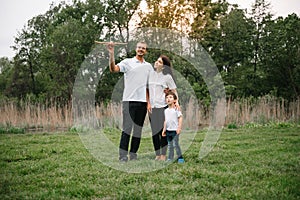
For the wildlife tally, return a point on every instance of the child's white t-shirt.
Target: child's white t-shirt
(171, 118)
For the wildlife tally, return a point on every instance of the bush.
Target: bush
(13, 130)
(232, 126)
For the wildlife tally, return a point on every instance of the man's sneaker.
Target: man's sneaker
(123, 160)
(132, 159)
(180, 160)
(133, 156)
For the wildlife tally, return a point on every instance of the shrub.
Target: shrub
(232, 126)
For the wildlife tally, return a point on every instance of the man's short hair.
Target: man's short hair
(142, 42)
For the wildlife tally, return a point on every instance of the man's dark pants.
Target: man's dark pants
(134, 114)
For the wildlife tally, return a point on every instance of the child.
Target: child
(172, 127)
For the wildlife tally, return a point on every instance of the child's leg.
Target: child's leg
(177, 147)
(170, 140)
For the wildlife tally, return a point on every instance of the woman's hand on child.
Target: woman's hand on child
(177, 106)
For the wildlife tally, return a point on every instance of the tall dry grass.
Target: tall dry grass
(35, 116)
(53, 117)
(262, 110)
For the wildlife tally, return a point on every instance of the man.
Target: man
(135, 97)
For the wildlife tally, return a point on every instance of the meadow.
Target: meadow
(255, 162)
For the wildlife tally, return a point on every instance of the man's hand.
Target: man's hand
(149, 108)
(112, 66)
(110, 47)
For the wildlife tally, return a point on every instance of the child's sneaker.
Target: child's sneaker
(180, 160)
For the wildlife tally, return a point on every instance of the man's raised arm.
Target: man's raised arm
(112, 66)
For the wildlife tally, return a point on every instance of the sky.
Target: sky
(14, 15)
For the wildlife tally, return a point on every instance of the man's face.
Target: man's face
(141, 49)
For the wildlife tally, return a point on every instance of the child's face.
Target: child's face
(170, 99)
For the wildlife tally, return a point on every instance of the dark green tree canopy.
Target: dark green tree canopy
(255, 53)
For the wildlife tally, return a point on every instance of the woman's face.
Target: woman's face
(158, 65)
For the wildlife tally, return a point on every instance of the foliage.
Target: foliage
(270, 124)
(64, 37)
(5, 74)
(11, 130)
(172, 14)
(280, 58)
(232, 53)
(118, 14)
(232, 126)
(256, 54)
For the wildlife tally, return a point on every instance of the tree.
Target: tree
(5, 74)
(28, 44)
(260, 15)
(19, 83)
(280, 56)
(233, 51)
(118, 14)
(205, 27)
(253, 54)
(173, 15)
(52, 46)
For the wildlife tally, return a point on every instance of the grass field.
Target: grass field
(253, 163)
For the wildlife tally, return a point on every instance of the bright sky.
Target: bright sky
(14, 14)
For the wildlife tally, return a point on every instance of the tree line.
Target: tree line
(255, 53)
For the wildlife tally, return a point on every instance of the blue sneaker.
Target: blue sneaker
(180, 160)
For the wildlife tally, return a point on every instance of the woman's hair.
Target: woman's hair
(167, 69)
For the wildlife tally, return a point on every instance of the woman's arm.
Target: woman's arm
(178, 131)
(177, 101)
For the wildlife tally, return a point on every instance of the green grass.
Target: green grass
(254, 163)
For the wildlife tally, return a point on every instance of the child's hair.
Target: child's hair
(171, 93)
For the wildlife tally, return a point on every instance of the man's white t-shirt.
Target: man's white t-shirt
(171, 118)
(157, 83)
(136, 76)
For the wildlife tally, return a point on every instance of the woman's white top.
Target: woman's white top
(157, 83)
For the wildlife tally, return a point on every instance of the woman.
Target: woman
(160, 81)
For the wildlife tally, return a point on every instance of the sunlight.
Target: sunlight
(143, 5)
(164, 3)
